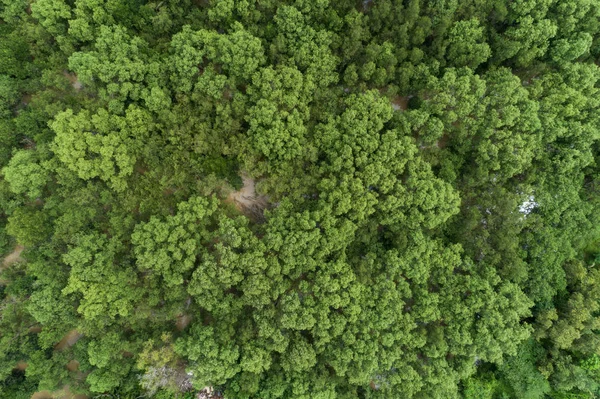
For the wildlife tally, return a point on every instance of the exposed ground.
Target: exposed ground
(42, 395)
(400, 103)
(21, 366)
(183, 321)
(35, 329)
(443, 142)
(64, 393)
(247, 201)
(26, 99)
(13, 257)
(73, 365)
(73, 79)
(68, 340)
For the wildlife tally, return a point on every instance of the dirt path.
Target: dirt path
(247, 201)
(13, 257)
(42, 395)
(68, 340)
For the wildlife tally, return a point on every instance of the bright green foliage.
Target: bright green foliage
(522, 376)
(300, 199)
(93, 270)
(466, 44)
(170, 248)
(52, 15)
(483, 387)
(120, 66)
(578, 23)
(280, 110)
(25, 175)
(107, 355)
(306, 47)
(100, 145)
(197, 56)
(30, 226)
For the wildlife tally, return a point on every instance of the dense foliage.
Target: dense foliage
(426, 215)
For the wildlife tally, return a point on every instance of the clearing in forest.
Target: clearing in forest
(13, 257)
(247, 201)
(73, 80)
(400, 103)
(183, 320)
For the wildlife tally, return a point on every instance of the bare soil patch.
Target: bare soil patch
(247, 201)
(73, 80)
(400, 103)
(443, 142)
(26, 99)
(35, 329)
(13, 257)
(183, 321)
(68, 340)
(42, 395)
(73, 365)
(20, 365)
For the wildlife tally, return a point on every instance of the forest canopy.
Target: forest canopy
(293, 199)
